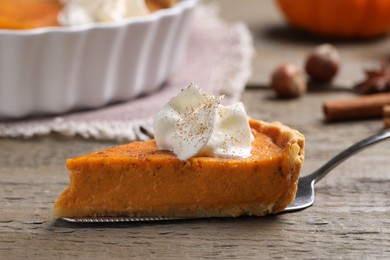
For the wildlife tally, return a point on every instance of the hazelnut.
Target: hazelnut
(288, 81)
(323, 63)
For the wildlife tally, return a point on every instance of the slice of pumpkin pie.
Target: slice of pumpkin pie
(239, 167)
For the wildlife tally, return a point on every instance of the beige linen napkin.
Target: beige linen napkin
(218, 60)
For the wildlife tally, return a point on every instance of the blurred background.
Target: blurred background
(277, 42)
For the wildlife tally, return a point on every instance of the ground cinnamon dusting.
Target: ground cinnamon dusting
(195, 115)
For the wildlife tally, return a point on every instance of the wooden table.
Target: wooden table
(350, 218)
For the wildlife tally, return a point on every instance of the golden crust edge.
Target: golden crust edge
(293, 143)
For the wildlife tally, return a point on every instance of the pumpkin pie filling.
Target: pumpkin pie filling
(138, 179)
(29, 14)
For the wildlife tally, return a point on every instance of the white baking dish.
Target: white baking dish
(58, 69)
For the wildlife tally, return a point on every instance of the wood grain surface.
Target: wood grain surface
(349, 220)
(350, 217)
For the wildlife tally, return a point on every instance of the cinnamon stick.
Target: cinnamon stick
(386, 116)
(362, 107)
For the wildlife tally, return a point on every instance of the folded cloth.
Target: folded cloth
(218, 60)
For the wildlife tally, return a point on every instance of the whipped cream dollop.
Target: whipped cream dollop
(196, 124)
(76, 12)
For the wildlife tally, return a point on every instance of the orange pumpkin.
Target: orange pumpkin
(339, 18)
